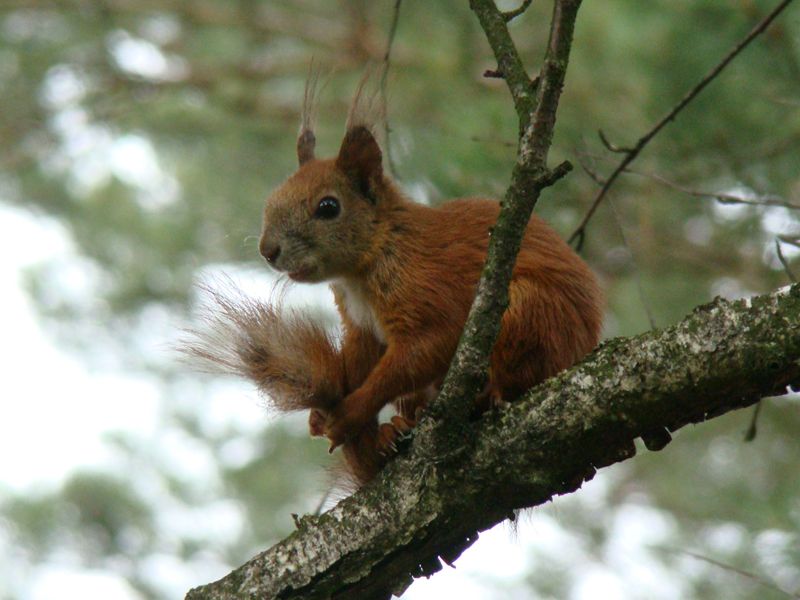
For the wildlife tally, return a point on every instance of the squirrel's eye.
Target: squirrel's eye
(328, 208)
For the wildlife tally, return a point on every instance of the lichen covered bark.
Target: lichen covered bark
(431, 502)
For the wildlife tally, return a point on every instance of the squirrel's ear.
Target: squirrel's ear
(360, 159)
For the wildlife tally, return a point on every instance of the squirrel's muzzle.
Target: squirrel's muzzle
(269, 251)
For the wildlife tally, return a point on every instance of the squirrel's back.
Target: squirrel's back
(427, 269)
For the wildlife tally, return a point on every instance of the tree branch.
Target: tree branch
(383, 83)
(631, 153)
(723, 356)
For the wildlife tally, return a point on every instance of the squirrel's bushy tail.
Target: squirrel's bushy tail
(290, 358)
(293, 361)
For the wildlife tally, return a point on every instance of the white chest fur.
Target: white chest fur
(355, 303)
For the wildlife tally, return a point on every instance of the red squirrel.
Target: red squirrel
(403, 276)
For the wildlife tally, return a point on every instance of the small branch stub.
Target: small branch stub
(513, 14)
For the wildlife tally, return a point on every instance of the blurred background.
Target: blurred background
(138, 140)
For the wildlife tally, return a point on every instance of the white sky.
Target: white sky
(54, 410)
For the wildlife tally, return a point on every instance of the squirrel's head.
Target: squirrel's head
(319, 224)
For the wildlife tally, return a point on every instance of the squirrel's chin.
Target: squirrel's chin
(303, 275)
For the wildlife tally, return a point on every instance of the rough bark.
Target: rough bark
(431, 502)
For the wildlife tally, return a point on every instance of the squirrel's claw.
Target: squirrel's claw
(337, 431)
(402, 424)
(390, 433)
(346, 420)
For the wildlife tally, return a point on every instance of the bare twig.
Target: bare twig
(747, 574)
(722, 197)
(513, 14)
(612, 147)
(491, 140)
(637, 273)
(631, 154)
(790, 239)
(617, 219)
(384, 76)
(590, 171)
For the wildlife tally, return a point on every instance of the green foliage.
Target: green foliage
(153, 131)
(100, 514)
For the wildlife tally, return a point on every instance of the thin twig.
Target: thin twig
(383, 83)
(747, 574)
(637, 274)
(612, 147)
(513, 14)
(790, 239)
(489, 140)
(580, 233)
(618, 220)
(784, 262)
(722, 197)
(589, 170)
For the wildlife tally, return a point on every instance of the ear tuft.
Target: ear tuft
(306, 141)
(360, 156)
(360, 159)
(366, 109)
(305, 146)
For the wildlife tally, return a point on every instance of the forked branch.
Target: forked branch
(531, 174)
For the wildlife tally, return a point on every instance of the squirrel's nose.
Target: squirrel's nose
(270, 251)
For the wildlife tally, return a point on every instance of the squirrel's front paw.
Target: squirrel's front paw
(345, 422)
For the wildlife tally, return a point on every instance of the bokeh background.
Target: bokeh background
(138, 139)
